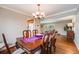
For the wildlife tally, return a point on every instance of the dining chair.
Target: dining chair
(17, 51)
(29, 31)
(53, 41)
(1, 47)
(34, 32)
(45, 44)
(26, 33)
(51, 44)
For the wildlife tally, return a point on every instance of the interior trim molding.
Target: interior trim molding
(76, 44)
(59, 19)
(17, 11)
(63, 12)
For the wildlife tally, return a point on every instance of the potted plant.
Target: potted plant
(66, 28)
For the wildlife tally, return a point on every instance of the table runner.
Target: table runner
(32, 38)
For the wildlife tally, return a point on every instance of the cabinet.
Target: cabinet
(70, 35)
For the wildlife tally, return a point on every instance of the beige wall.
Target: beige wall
(12, 24)
(59, 26)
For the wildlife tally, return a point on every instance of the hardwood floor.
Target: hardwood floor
(63, 46)
(6, 52)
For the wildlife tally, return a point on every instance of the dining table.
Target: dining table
(32, 44)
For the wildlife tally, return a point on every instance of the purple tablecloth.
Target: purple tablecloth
(32, 38)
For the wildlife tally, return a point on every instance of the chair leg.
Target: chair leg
(50, 51)
(47, 51)
(43, 50)
(54, 49)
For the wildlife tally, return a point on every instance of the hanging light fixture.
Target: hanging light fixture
(38, 14)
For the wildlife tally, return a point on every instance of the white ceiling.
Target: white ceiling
(49, 9)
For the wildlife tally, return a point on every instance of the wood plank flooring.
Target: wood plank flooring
(63, 46)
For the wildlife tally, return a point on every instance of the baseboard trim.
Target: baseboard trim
(76, 45)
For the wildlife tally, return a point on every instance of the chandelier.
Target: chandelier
(38, 14)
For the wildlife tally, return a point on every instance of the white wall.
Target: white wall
(11, 24)
(77, 30)
(59, 26)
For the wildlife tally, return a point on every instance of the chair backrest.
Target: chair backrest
(53, 39)
(45, 40)
(26, 33)
(34, 32)
(5, 42)
(45, 37)
(29, 33)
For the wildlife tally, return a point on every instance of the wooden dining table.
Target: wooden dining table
(31, 44)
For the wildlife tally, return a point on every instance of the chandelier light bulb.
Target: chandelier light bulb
(40, 16)
(33, 14)
(37, 13)
(42, 13)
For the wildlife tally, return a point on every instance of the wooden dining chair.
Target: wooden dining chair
(34, 32)
(26, 33)
(5, 42)
(29, 31)
(45, 44)
(53, 41)
(18, 51)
